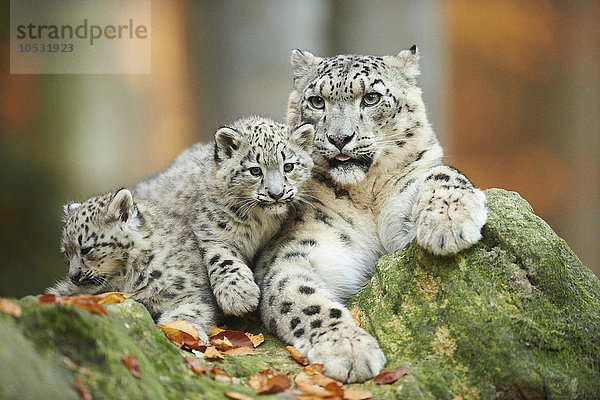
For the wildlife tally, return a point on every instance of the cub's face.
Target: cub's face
(97, 240)
(264, 164)
(360, 106)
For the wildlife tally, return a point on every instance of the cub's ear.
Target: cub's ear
(302, 62)
(70, 208)
(227, 140)
(408, 61)
(121, 206)
(303, 136)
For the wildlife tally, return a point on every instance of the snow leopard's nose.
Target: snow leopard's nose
(75, 276)
(275, 196)
(340, 141)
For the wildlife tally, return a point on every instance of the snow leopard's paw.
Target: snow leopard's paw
(450, 212)
(238, 295)
(348, 353)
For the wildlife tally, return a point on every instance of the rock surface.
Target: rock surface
(515, 317)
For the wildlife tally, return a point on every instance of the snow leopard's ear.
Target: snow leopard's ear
(121, 206)
(303, 136)
(303, 62)
(70, 208)
(227, 141)
(408, 61)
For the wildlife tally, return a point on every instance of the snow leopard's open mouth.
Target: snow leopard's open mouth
(345, 161)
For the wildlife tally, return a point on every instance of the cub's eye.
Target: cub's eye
(288, 167)
(370, 99)
(316, 102)
(255, 171)
(85, 251)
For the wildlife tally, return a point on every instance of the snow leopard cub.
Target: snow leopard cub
(113, 243)
(236, 193)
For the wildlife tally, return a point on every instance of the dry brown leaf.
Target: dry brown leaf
(239, 351)
(357, 395)
(10, 307)
(89, 302)
(237, 338)
(313, 369)
(181, 325)
(297, 356)
(269, 381)
(133, 365)
(223, 344)
(113, 297)
(214, 330)
(390, 376)
(222, 376)
(355, 314)
(213, 354)
(238, 396)
(256, 339)
(84, 394)
(195, 366)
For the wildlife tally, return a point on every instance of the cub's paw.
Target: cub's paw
(238, 295)
(449, 220)
(348, 354)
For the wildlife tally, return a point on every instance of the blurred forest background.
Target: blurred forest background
(512, 88)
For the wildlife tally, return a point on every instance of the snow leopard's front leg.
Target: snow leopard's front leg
(296, 307)
(231, 280)
(449, 212)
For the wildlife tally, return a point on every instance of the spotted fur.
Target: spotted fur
(379, 182)
(236, 192)
(111, 243)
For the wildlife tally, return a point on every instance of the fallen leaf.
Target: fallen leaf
(213, 354)
(214, 330)
(113, 297)
(132, 363)
(313, 369)
(10, 307)
(297, 356)
(459, 397)
(195, 366)
(237, 338)
(238, 396)
(269, 381)
(183, 334)
(357, 394)
(255, 339)
(239, 351)
(181, 325)
(223, 344)
(83, 392)
(386, 376)
(222, 376)
(47, 299)
(355, 314)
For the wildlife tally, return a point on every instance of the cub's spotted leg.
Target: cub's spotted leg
(296, 307)
(194, 310)
(449, 212)
(232, 281)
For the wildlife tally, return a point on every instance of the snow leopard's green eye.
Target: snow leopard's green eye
(316, 102)
(370, 99)
(288, 167)
(255, 171)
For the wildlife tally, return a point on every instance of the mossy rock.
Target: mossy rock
(515, 317)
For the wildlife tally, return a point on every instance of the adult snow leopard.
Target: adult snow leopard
(379, 182)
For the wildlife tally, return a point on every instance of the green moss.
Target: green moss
(517, 313)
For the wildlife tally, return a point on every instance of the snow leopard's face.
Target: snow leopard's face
(98, 239)
(361, 108)
(266, 165)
